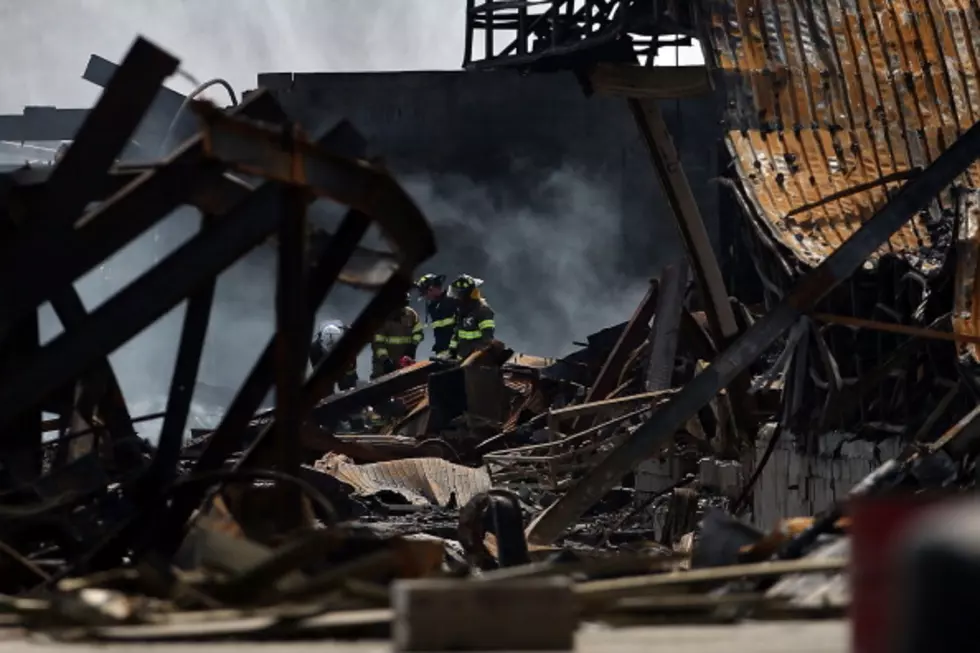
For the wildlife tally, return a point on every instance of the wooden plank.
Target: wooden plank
(659, 82)
(638, 585)
(596, 407)
(454, 615)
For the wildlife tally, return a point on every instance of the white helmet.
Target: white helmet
(330, 332)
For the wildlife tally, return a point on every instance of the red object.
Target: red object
(405, 361)
(877, 526)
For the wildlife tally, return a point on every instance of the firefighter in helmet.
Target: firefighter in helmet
(394, 345)
(440, 311)
(474, 318)
(326, 337)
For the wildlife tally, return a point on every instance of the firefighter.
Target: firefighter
(326, 337)
(440, 312)
(474, 317)
(395, 344)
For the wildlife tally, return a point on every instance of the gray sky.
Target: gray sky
(46, 43)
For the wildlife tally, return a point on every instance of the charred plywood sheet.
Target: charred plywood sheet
(833, 104)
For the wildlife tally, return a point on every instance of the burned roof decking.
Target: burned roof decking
(837, 95)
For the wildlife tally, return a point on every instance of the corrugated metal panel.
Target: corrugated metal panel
(831, 95)
(413, 397)
(422, 481)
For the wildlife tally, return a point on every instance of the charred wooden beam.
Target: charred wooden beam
(637, 330)
(694, 235)
(655, 83)
(294, 325)
(666, 327)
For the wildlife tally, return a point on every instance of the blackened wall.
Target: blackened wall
(548, 195)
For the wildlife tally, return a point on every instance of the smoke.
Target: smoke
(548, 259)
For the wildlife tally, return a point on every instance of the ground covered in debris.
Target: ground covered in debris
(803, 637)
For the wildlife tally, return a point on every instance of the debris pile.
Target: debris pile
(645, 477)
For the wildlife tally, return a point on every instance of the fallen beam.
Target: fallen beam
(99, 71)
(736, 358)
(636, 331)
(656, 82)
(687, 216)
(339, 406)
(677, 189)
(618, 588)
(540, 614)
(598, 407)
(901, 329)
(294, 327)
(490, 356)
(666, 327)
(156, 124)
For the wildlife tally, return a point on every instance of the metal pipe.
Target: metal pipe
(200, 88)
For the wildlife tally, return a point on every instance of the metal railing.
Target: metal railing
(556, 33)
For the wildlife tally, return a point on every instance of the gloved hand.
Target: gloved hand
(405, 361)
(388, 366)
(442, 355)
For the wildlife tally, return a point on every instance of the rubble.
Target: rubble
(698, 462)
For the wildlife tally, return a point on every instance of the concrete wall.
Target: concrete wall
(792, 484)
(546, 194)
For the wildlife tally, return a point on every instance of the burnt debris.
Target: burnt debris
(710, 458)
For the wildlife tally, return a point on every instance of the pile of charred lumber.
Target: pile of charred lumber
(616, 484)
